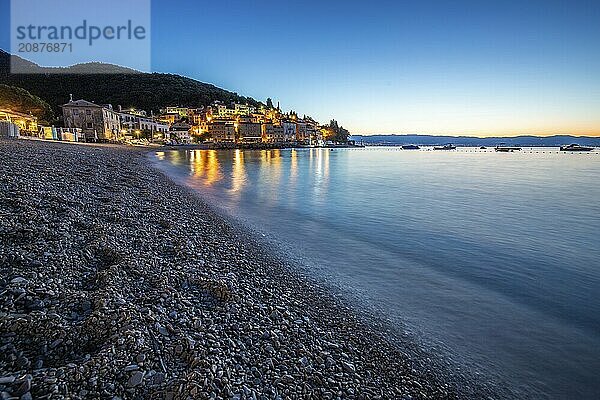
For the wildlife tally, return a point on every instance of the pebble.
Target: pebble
(6, 380)
(120, 284)
(135, 379)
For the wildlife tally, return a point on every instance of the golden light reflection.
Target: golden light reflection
(205, 164)
(294, 166)
(238, 173)
(321, 171)
(270, 173)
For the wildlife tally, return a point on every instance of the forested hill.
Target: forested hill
(148, 91)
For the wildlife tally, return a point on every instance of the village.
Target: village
(219, 124)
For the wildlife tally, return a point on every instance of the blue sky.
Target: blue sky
(462, 67)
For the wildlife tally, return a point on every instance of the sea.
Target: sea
(492, 259)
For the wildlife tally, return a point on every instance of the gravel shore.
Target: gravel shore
(117, 283)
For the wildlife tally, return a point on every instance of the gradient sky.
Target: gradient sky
(447, 67)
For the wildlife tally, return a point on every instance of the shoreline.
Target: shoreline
(118, 281)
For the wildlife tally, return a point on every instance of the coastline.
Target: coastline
(116, 281)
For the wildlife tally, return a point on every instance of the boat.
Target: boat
(575, 147)
(507, 149)
(410, 147)
(482, 148)
(448, 146)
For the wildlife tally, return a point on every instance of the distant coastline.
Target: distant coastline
(432, 140)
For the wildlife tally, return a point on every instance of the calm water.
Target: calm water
(494, 257)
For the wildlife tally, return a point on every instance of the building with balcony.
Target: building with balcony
(132, 124)
(180, 133)
(272, 132)
(220, 130)
(249, 132)
(289, 131)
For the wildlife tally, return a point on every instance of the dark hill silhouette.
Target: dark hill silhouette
(122, 86)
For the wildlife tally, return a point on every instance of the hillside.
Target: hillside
(143, 90)
(14, 98)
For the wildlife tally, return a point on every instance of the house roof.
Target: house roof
(81, 103)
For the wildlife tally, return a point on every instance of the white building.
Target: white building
(133, 125)
(182, 111)
(180, 132)
(96, 122)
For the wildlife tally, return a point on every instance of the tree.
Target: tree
(269, 103)
(22, 101)
(146, 134)
(204, 136)
(338, 133)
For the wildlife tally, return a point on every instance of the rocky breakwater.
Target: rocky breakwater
(117, 283)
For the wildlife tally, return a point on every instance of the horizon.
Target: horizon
(441, 69)
(475, 136)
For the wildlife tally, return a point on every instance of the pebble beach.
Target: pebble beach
(117, 283)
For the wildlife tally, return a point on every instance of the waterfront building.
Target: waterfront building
(301, 132)
(249, 132)
(313, 133)
(133, 125)
(98, 123)
(272, 132)
(180, 132)
(289, 130)
(220, 130)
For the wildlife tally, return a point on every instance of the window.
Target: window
(88, 112)
(75, 111)
(90, 125)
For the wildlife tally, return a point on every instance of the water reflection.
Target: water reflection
(238, 174)
(204, 164)
(294, 166)
(270, 174)
(319, 159)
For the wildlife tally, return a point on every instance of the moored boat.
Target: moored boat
(410, 147)
(448, 146)
(575, 147)
(507, 149)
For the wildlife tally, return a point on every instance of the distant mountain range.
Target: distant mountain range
(432, 140)
(122, 86)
